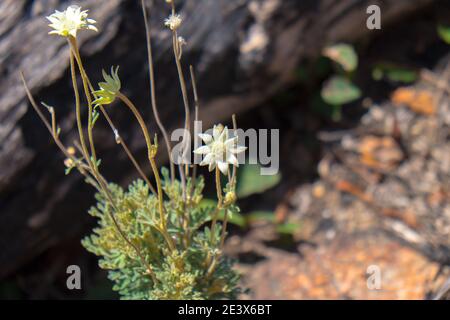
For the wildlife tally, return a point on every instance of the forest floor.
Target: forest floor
(371, 196)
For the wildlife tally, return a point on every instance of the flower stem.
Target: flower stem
(219, 203)
(153, 94)
(176, 51)
(224, 229)
(76, 51)
(122, 142)
(151, 157)
(78, 110)
(94, 168)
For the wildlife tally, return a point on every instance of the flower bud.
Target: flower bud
(230, 198)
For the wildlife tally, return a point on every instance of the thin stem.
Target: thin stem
(94, 169)
(74, 47)
(233, 176)
(153, 94)
(78, 109)
(176, 52)
(132, 107)
(123, 235)
(122, 142)
(151, 157)
(82, 168)
(224, 228)
(196, 118)
(219, 203)
(97, 178)
(127, 150)
(218, 187)
(232, 182)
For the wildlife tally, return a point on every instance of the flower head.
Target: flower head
(173, 22)
(68, 22)
(220, 150)
(108, 89)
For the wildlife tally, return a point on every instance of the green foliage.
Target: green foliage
(268, 216)
(343, 54)
(393, 73)
(338, 90)
(181, 273)
(250, 181)
(444, 33)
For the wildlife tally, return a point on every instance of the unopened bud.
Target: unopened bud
(230, 198)
(69, 163)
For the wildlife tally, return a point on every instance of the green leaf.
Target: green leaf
(444, 33)
(288, 228)
(256, 216)
(339, 90)
(95, 116)
(206, 203)
(343, 54)
(394, 73)
(250, 181)
(68, 170)
(235, 218)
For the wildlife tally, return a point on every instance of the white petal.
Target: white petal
(223, 167)
(202, 150)
(224, 135)
(231, 142)
(212, 166)
(231, 159)
(207, 138)
(216, 133)
(207, 159)
(238, 149)
(93, 28)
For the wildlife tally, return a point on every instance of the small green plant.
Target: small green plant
(157, 240)
(339, 89)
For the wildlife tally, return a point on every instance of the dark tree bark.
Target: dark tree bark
(243, 52)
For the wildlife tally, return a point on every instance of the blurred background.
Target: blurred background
(364, 140)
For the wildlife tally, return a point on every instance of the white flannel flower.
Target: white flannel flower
(173, 22)
(68, 22)
(220, 150)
